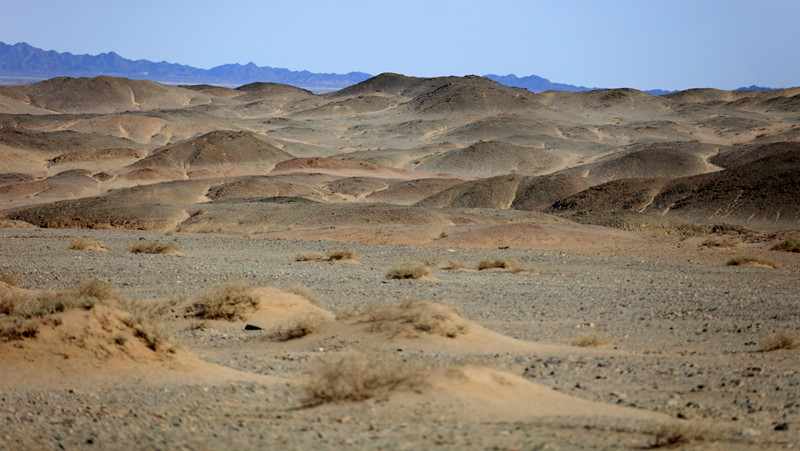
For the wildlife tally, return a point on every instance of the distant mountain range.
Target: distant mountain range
(22, 63)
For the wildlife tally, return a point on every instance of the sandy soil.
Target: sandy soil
(680, 336)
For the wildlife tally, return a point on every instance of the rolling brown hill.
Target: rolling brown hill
(105, 95)
(215, 150)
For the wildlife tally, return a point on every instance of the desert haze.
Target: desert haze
(406, 263)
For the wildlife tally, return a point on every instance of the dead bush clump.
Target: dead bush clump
(590, 341)
(341, 254)
(408, 271)
(230, 301)
(749, 260)
(356, 377)
(310, 257)
(456, 266)
(10, 278)
(82, 244)
(508, 264)
(298, 328)
(713, 242)
(413, 317)
(152, 247)
(781, 340)
(790, 245)
(674, 434)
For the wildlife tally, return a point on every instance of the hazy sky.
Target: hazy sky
(643, 44)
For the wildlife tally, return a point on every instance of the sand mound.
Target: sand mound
(215, 150)
(484, 394)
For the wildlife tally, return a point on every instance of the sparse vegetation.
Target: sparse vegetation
(790, 245)
(230, 302)
(590, 341)
(413, 317)
(356, 377)
(444, 234)
(408, 271)
(298, 327)
(781, 340)
(508, 264)
(305, 292)
(82, 244)
(456, 266)
(152, 247)
(310, 257)
(749, 260)
(10, 278)
(713, 242)
(676, 434)
(341, 254)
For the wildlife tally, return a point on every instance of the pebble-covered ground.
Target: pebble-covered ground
(686, 333)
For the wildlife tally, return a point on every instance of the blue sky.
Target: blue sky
(643, 44)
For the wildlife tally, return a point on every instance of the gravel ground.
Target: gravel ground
(687, 329)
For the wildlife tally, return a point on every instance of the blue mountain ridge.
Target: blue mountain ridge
(23, 63)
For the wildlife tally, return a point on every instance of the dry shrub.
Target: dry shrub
(713, 242)
(10, 278)
(310, 257)
(150, 331)
(749, 260)
(790, 245)
(508, 264)
(676, 434)
(152, 247)
(305, 292)
(413, 317)
(341, 254)
(586, 341)
(298, 327)
(781, 340)
(229, 301)
(456, 266)
(82, 244)
(356, 377)
(408, 271)
(497, 263)
(23, 314)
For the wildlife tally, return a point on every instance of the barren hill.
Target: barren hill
(216, 150)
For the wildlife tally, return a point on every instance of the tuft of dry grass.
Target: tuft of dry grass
(586, 341)
(341, 254)
(356, 377)
(408, 271)
(456, 266)
(152, 247)
(790, 245)
(676, 434)
(310, 257)
(713, 242)
(305, 292)
(10, 278)
(229, 301)
(508, 264)
(749, 260)
(781, 340)
(298, 327)
(150, 331)
(413, 317)
(82, 244)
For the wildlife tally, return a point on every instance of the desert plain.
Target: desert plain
(407, 263)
